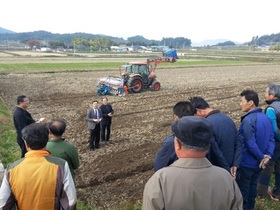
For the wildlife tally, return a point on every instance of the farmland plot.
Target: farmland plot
(117, 172)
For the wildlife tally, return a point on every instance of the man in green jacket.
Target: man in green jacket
(58, 147)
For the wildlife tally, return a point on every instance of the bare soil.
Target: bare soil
(117, 172)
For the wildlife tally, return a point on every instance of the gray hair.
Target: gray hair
(274, 89)
(194, 148)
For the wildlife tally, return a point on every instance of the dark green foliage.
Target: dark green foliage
(265, 40)
(67, 39)
(227, 43)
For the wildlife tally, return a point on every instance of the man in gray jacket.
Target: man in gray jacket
(94, 117)
(192, 182)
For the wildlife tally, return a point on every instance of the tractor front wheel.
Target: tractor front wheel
(135, 85)
(155, 86)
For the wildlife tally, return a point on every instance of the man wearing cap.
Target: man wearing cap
(192, 182)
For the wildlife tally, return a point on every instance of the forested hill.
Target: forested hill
(47, 36)
(271, 39)
(67, 39)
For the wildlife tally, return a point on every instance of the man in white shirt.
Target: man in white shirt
(94, 117)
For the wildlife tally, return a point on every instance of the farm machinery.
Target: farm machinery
(135, 76)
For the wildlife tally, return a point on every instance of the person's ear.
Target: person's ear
(197, 112)
(251, 102)
(175, 117)
(177, 144)
(26, 145)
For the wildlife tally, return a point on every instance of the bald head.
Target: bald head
(57, 127)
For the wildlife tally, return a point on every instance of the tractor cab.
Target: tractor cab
(136, 69)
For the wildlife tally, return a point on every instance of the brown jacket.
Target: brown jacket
(192, 184)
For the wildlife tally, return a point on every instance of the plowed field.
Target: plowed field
(117, 172)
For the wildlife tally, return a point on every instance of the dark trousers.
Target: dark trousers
(106, 127)
(94, 137)
(21, 145)
(264, 178)
(247, 179)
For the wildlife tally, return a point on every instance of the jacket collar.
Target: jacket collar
(191, 163)
(37, 153)
(251, 111)
(271, 101)
(57, 140)
(215, 111)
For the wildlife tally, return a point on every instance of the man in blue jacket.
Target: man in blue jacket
(257, 138)
(166, 154)
(225, 148)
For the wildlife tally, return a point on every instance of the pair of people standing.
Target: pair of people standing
(225, 150)
(99, 119)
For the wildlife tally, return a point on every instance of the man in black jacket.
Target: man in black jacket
(21, 119)
(107, 113)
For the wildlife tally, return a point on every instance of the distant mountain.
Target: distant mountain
(210, 42)
(67, 39)
(48, 36)
(6, 31)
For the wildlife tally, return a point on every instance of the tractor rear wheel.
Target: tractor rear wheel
(155, 86)
(135, 84)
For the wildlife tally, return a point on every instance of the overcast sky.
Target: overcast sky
(198, 20)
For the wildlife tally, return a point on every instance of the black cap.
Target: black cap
(193, 131)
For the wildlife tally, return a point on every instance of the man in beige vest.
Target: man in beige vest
(192, 182)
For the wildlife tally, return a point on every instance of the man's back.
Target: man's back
(192, 183)
(66, 151)
(38, 182)
(273, 113)
(256, 134)
(166, 155)
(225, 133)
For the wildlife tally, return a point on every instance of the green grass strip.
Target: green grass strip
(9, 149)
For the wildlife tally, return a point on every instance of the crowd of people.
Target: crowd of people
(188, 166)
(207, 163)
(44, 177)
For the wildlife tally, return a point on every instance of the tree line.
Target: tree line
(268, 40)
(94, 42)
(89, 41)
